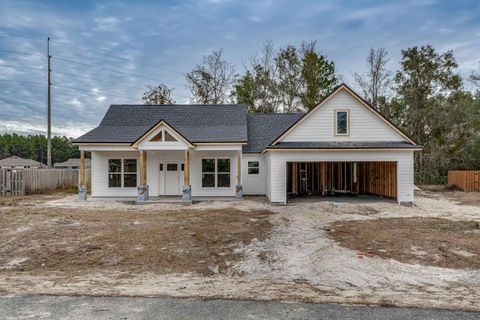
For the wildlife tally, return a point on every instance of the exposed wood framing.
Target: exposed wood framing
(143, 168)
(329, 178)
(186, 169)
(82, 168)
(239, 169)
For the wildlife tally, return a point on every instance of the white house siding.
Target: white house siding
(196, 173)
(276, 184)
(99, 167)
(364, 125)
(268, 175)
(253, 184)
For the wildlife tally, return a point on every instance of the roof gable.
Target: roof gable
(366, 122)
(162, 129)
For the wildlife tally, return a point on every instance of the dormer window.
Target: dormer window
(342, 125)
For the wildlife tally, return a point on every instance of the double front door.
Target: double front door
(171, 178)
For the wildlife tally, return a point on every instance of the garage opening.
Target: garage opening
(306, 179)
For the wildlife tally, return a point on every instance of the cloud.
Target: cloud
(160, 41)
(106, 24)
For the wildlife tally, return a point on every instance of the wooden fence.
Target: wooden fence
(11, 182)
(465, 180)
(30, 181)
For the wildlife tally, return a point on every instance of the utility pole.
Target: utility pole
(49, 102)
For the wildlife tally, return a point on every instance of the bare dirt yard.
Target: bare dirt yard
(362, 251)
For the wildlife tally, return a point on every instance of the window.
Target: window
(122, 173)
(223, 173)
(341, 122)
(172, 167)
(129, 173)
(162, 136)
(208, 173)
(253, 167)
(215, 173)
(169, 137)
(158, 136)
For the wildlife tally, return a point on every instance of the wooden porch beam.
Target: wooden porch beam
(143, 168)
(239, 169)
(82, 168)
(186, 169)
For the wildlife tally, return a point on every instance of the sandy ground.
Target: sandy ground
(297, 261)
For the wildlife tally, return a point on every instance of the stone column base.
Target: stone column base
(142, 193)
(187, 193)
(239, 192)
(82, 193)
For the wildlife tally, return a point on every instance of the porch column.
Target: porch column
(142, 189)
(82, 186)
(238, 188)
(187, 188)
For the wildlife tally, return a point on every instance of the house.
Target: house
(342, 146)
(15, 162)
(72, 163)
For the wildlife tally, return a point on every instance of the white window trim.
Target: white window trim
(215, 173)
(257, 167)
(122, 173)
(336, 122)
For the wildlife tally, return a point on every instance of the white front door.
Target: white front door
(172, 178)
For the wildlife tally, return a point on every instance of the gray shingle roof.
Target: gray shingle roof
(264, 128)
(197, 123)
(17, 161)
(345, 145)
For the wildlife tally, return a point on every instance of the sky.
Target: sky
(107, 52)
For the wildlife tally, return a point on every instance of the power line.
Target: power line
(20, 35)
(111, 82)
(102, 53)
(21, 81)
(22, 52)
(103, 94)
(95, 79)
(116, 71)
(22, 67)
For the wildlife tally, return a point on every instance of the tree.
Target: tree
(257, 87)
(289, 82)
(376, 81)
(291, 79)
(318, 76)
(35, 147)
(425, 81)
(158, 95)
(210, 82)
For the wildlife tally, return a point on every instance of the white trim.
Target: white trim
(162, 122)
(335, 124)
(344, 149)
(105, 147)
(122, 173)
(219, 147)
(257, 167)
(215, 173)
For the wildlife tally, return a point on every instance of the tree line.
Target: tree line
(35, 147)
(426, 97)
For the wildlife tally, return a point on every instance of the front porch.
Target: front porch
(164, 175)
